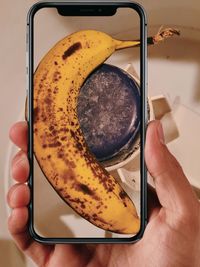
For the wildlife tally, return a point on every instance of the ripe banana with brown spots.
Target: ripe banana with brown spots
(59, 145)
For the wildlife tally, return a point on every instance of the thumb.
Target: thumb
(172, 187)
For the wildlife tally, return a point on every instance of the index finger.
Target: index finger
(19, 135)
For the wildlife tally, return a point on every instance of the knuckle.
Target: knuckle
(10, 193)
(16, 158)
(190, 219)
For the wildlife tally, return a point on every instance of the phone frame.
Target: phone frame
(143, 86)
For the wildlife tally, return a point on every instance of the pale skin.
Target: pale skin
(171, 238)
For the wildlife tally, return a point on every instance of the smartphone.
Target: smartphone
(87, 113)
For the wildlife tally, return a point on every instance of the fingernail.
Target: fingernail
(161, 133)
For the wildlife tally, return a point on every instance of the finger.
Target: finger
(19, 135)
(18, 196)
(41, 254)
(172, 187)
(20, 167)
(153, 203)
(17, 225)
(77, 255)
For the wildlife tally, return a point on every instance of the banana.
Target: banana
(59, 145)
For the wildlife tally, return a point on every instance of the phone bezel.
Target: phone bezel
(143, 84)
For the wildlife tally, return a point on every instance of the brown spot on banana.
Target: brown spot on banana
(69, 175)
(84, 188)
(56, 77)
(123, 194)
(71, 50)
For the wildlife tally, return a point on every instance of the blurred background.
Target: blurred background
(174, 71)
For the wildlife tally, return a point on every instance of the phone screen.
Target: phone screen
(87, 124)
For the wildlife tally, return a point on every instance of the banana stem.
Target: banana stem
(159, 37)
(126, 44)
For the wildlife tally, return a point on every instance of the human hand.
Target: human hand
(171, 238)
